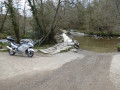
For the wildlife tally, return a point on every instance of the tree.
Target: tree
(42, 30)
(13, 19)
(4, 19)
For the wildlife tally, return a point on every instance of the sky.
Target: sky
(21, 6)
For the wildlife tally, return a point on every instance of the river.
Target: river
(101, 45)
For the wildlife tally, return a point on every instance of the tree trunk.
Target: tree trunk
(1, 28)
(14, 20)
(35, 15)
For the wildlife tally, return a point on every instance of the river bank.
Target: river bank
(103, 34)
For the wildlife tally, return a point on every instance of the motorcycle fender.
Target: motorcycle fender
(30, 49)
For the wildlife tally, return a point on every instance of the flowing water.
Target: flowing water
(102, 45)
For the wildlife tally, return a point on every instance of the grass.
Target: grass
(3, 35)
(3, 45)
(118, 47)
(3, 50)
(102, 34)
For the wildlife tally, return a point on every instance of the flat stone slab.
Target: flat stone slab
(56, 49)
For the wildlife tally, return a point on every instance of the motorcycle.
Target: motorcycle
(25, 47)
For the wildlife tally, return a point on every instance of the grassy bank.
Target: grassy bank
(44, 46)
(103, 34)
(3, 36)
(94, 32)
(3, 45)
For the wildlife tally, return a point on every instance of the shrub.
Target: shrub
(2, 36)
(1, 45)
(118, 47)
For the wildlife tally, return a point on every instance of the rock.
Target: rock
(77, 34)
(118, 38)
(59, 38)
(66, 38)
(4, 41)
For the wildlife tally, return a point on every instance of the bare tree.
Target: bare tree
(35, 15)
(13, 19)
(3, 22)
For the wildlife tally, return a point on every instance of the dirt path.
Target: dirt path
(89, 73)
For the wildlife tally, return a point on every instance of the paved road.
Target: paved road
(89, 73)
(11, 66)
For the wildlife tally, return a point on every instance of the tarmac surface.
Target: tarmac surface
(92, 72)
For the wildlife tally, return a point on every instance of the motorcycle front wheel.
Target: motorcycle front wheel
(11, 52)
(30, 53)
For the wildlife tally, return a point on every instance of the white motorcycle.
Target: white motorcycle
(25, 47)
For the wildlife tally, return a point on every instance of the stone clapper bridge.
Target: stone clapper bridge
(67, 44)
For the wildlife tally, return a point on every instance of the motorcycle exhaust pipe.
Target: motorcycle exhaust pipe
(9, 47)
